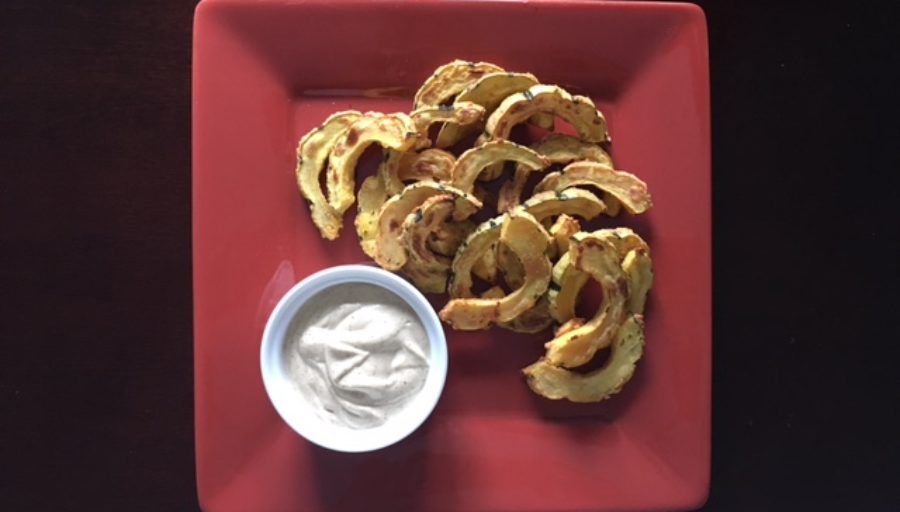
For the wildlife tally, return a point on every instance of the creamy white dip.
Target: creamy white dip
(358, 354)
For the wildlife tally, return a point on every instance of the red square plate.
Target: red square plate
(265, 73)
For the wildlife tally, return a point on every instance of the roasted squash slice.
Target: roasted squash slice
(312, 154)
(624, 186)
(389, 251)
(557, 383)
(528, 240)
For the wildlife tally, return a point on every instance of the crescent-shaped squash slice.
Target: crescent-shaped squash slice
(488, 91)
(398, 169)
(460, 113)
(395, 168)
(557, 148)
(449, 80)
(561, 231)
(598, 258)
(391, 131)
(473, 249)
(446, 241)
(579, 111)
(568, 280)
(535, 319)
(389, 171)
(544, 206)
(473, 161)
(600, 255)
(389, 251)
(431, 164)
(571, 201)
(565, 286)
(427, 270)
(528, 240)
(312, 153)
(509, 265)
(627, 188)
(557, 383)
(370, 199)
(639, 269)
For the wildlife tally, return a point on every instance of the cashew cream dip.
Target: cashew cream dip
(358, 354)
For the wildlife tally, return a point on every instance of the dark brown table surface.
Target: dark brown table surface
(96, 389)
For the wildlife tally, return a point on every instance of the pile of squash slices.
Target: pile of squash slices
(416, 216)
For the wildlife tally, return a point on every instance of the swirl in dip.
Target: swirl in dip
(358, 354)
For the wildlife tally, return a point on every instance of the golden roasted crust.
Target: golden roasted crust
(391, 131)
(312, 153)
(480, 242)
(561, 231)
(579, 111)
(447, 240)
(568, 280)
(533, 320)
(370, 199)
(598, 258)
(627, 188)
(557, 383)
(431, 164)
(528, 240)
(427, 270)
(463, 113)
(488, 91)
(399, 169)
(449, 80)
(460, 113)
(639, 269)
(389, 252)
(557, 148)
(572, 201)
(472, 162)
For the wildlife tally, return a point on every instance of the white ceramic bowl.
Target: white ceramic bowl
(289, 402)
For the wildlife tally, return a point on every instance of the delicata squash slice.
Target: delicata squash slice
(568, 280)
(389, 251)
(535, 319)
(459, 113)
(539, 318)
(427, 270)
(579, 111)
(599, 259)
(312, 153)
(398, 169)
(472, 162)
(557, 383)
(449, 80)
(546, 205)
(557, 148)
(561, 232)
(627, 188)
(447, 239)
(529, 241)
(489, 91)
(473, 250)
(599, 255)
(391, 131)
(395, 168)
(371, 198)
(431, 164)
(571, 201)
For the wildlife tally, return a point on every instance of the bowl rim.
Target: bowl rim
(286, 400)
